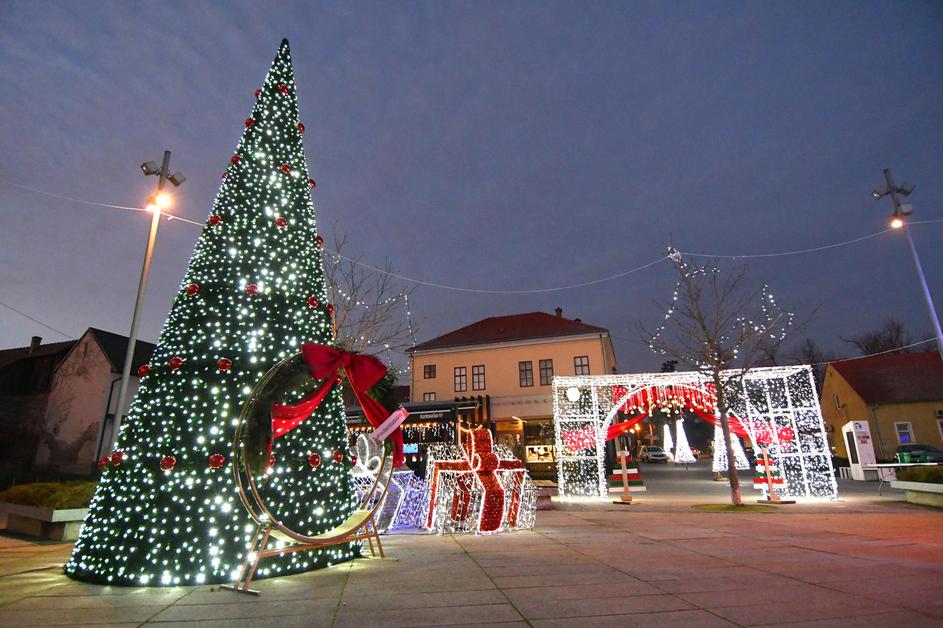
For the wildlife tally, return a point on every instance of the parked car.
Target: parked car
(653, 453)
(917, 452)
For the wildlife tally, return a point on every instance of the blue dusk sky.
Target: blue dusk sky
(505, 146)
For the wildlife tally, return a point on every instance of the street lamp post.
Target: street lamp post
(159, 202)
(898, 221)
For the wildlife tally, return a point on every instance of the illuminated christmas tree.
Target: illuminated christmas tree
(167, 511)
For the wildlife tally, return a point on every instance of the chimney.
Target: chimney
(34, 343)
(559, 312)
(578, 320)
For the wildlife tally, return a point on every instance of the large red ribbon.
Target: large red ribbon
(363, 371)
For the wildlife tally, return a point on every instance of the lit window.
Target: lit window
(905, 432)
(461, 379)
(478, 377)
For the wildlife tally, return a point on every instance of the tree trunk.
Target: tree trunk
(735, 498)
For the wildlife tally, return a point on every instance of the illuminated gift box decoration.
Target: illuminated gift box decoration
(475, 488)
(403, 502)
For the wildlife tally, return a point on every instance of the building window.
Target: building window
(939, 424)
(905, 432)
(581, 365)
(526, 372)
(428, 396)
(428, 371)
(461, 379)
(546, 372)
(478, 377)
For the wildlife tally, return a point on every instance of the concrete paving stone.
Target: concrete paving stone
(406, 584)
(669, 619)
(893, 619)
(789, 595)
(892, 582)
(761, 614)
(657, 572)
(506, 624)
(283, 621)
(924, 600)
(330, 591)
(318, 610)
(546, 608)
(437, 616)
(832, 571)
(60, 617)
(728, 583)
(423, 600)
(65, 602)
(627, 586)
(558, 579)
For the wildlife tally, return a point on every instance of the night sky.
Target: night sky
(507, 146)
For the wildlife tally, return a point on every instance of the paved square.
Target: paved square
(856, 563)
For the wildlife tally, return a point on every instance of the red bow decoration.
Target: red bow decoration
(363, 371)
(483, 462)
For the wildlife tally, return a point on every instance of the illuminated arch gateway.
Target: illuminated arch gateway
(772, 407)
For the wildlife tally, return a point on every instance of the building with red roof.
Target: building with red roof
(900, 395)
(507, 364)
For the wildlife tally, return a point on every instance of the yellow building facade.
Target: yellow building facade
(900, 396)
(510, 361)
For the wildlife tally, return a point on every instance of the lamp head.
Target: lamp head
(150, 167)
(906, 189)
(177, 178)
(879, 193)
(897, 222)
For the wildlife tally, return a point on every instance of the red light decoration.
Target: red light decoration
(144, 369)
(249, 122)
(117, 457)
(217, 461)
(192, 289)
(319, 240)
(175, 363)
(283, 89)
(280, 222)
(224, 364)
(215, 220)
(258, 93)
(313, 302)
(314, 460)
(338, 456)
(312, 184)
(235, 159)
(301, 128)
(252, 289)
(285, 168)
(102, 463)
(167, 463)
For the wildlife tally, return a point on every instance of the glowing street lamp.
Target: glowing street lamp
(157, 204)
(898, 221)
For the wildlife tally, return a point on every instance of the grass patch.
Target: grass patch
(61, 495)
(732, 508)
(931, 475)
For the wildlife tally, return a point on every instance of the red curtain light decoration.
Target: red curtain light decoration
(363, 371)
(483, 462)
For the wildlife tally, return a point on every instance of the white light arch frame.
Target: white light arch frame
(781, 399)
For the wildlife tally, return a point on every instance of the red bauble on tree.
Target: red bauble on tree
(217, 461)
(215, 220)
(258, 93)
(353, 460)
(285, 168)
(314, 460)
(167, 463)
(224, 364)
(280, 222)
(192, 289)
(330, 309)
(144, 369)
(103, 463)
(301, 128)
(249, 122)
(271, 462)
(319, 240)
(234, 159)
(338, 455)
(175, 363)
(313, 302)
(312, 184)
(283, 89)
(252, 289)
(224, 175)
(117, 457)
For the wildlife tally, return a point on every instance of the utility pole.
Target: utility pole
(157, 204)
(898, 221)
